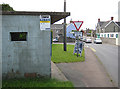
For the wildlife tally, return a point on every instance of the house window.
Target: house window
(104, 35)
(108, 35)
(18, 36)
(56, 31)
(112, 35)
(116, 35)
(60, 30)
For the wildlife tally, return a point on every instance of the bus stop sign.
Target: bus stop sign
(77, 24)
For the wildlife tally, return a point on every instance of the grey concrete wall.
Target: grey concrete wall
(109, 41)
(68, 39)
(119, 38)
(25, 58)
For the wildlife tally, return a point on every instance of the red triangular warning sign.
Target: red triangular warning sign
(77, 24)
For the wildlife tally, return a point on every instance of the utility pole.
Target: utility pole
(65, 27)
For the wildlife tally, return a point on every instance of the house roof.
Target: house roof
(57, 26)
(55, 16)
(101, 23)
(112, 22)
(104, 24)
(118, 23)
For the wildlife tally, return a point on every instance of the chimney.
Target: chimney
(71, 21)
(112, 18)
(99, 20)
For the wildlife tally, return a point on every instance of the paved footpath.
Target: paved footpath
(89, 73)
(56, 73)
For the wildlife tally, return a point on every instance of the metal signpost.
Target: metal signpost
(78, 45)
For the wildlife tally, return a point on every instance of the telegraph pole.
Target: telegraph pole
(65, 46)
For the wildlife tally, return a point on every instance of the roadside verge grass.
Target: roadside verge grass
(36, 82)
(61, 56)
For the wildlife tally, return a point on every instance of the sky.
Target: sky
(81, 10)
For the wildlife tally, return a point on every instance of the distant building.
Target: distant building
(108, 30)
(107, 26)
(89, 32)
(69, 29)
(57, 30)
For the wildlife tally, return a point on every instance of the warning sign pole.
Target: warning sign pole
(77, 25)
(77, 45)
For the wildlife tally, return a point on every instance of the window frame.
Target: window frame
(17, 34)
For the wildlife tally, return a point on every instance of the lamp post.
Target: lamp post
(65, 27)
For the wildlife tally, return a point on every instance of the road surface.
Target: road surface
(89, 73)
(108, 55)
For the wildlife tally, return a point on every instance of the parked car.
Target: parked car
(88, 40)
(98, 40)
(84, 39)
(55, 40)
(81, 38)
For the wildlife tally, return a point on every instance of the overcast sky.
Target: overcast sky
(83, 10)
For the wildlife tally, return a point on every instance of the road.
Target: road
(89, 73)
(108, 55)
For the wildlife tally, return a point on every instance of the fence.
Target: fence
(111, 38)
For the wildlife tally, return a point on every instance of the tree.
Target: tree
(6, 7)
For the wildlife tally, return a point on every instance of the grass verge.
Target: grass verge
(60, 56)
(22, 83)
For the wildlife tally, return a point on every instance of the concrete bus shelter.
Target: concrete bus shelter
(29, 57)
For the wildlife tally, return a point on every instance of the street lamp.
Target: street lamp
(65, 27)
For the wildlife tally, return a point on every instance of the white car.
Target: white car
(83, 39)
(55, 40)
(98, 40)
(88, 40)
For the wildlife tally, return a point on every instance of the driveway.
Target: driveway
(90, 73)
